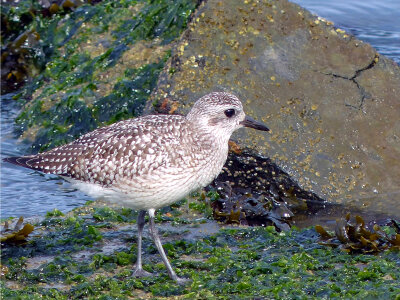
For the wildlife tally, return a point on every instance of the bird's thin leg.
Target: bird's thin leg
(157, 242)
(139, 272)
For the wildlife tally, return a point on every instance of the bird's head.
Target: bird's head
(221, 113)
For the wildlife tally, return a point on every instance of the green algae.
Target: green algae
(54, 213)
(128, 96)
(235, 262)
(101, 64)
(108, 214)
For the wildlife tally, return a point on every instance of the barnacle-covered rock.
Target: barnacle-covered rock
(241, 206)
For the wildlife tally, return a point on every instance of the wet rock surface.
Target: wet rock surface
(330, 99)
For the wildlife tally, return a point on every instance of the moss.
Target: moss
(158, 19)
(61, 123)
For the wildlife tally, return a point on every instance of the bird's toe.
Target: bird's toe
(139, 272)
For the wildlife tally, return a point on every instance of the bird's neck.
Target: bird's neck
(213, 142)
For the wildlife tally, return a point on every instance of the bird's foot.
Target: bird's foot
(182, 281)
(139, 272)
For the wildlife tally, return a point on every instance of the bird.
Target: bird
(149, 162)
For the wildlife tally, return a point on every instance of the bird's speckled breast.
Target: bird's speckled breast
(190, 163)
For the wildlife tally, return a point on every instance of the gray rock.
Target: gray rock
(331, 100)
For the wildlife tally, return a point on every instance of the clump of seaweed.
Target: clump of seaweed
(355, 237)
(16, 235)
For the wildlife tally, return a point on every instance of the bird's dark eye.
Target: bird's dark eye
(229, 112)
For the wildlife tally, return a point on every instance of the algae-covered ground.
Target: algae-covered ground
(90, 253)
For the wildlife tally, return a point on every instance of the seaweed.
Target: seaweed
(17, 235)
(355, 237)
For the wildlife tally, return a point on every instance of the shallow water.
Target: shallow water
(28, 193)
(25, 192)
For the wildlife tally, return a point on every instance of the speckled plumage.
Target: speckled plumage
(151, 161)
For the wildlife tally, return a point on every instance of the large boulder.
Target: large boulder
(331, 100)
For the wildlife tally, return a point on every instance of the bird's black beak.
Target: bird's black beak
(251, 123)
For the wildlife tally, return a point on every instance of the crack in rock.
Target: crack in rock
(362, 91)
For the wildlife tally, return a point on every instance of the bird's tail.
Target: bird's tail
(23, 161)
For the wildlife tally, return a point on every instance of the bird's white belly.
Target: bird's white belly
(146, 194)
(159, 188)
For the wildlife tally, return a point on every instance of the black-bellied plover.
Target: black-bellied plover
(151, 161)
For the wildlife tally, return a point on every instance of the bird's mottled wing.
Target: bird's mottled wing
(133, 150)
(126, 149)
